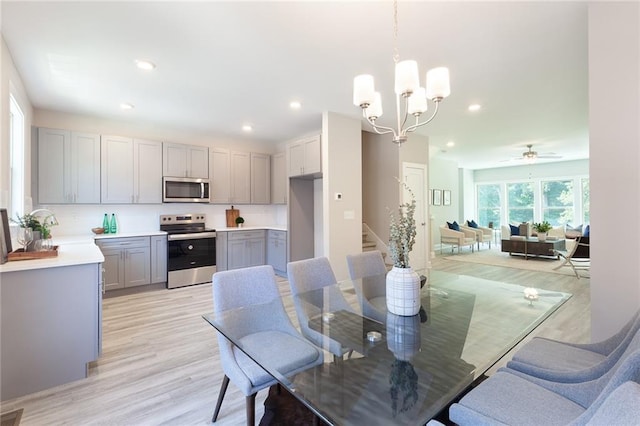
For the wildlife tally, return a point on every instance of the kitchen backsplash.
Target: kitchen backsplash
(79, 219)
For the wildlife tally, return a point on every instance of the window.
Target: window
(520, 202)
(489, 202)
(585, 201)
(558, 202)
(16, 141)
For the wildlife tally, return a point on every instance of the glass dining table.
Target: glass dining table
(402, 370)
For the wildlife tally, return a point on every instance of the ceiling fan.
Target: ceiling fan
(530, 155)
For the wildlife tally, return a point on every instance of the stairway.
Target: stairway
(367, 245)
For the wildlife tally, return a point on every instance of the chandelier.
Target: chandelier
(407, 86)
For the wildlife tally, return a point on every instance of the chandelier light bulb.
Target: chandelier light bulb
(363, 90)
(407, 77)
(438, 83)
(375, 108)
(418, 102)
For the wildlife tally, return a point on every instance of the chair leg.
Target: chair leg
(223, 390)
(251, 409)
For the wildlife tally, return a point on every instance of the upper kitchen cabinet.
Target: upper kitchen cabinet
(279, 178)
(68, 167)
(131, 170)
(260, 178)
(304, 157)
(220, 182)
(240, 177)
(185, 160)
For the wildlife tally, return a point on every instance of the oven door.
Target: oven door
(191, 258)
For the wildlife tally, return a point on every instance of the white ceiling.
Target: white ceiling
(223, 64)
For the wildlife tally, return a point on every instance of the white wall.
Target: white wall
(532, 171)
(614, 108)
(467, 195)
(10, 81)
(443, 174)
(342, 173)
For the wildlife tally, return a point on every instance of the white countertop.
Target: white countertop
(129, 234)
(253, 228)
(71, 254)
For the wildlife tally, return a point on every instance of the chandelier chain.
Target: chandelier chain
(396, 55)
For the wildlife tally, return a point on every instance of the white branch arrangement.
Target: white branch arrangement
(402, 231)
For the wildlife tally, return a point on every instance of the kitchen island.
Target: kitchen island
(50, 319)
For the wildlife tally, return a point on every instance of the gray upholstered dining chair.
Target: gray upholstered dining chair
(555, 360)
(316, 274)
(273, 334)
(510, 397)
(371, 294)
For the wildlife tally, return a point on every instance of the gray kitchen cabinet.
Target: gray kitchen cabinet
(181, 160)
(147, 171)
(220, 171)
(240, 177)
(159, 259)
(131, 170)
(221, 250)
(260, 178)
(304, 157)
(277, 251)
(51, 326)
(279, 178)
(68, 167)
(127, 261)
(245, 248)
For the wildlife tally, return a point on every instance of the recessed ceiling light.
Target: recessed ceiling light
(475, 107)
(295, 105)
(450, 144)
(127, 106)
(145, 65)
(247, 128)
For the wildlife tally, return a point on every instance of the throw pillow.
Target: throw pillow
(586, 231)
(515, 230)
(472, 223)
(453, 226)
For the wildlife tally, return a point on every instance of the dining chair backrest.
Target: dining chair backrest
(310, 274)
(366, 264)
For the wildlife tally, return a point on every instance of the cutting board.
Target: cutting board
(232, 214)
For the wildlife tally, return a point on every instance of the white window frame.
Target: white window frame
(17, 142)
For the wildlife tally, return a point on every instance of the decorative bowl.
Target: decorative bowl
(97, 230)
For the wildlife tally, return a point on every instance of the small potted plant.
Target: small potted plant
(541, 230)
(239, 221)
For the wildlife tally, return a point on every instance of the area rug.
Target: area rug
(12, 418)
(283, 409)
(494, 257)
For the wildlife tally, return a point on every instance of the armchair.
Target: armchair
(483, 235)
(457, 238)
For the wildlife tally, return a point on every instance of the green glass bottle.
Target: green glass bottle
(105, 223)
(113, 227)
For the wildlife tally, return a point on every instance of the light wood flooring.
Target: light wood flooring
(160, 363)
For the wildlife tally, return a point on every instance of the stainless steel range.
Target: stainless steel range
(191, 249)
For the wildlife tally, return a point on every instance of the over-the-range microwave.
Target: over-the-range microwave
(185, 190)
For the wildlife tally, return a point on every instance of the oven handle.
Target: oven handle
(193, 236)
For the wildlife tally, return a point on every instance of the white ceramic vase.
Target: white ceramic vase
(403, 291)
(542, 236)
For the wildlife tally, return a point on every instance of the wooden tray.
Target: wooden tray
(20, 254)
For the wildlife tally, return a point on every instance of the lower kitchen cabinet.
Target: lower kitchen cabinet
(277, 251)
(245, 248)
(159, 259)
(127, 261)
